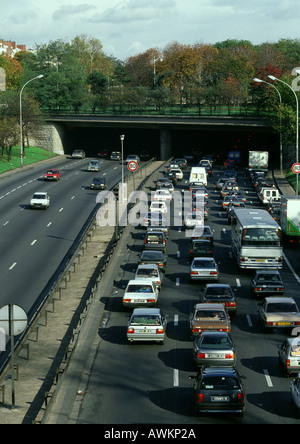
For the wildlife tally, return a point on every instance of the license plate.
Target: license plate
(215, 355)
(284, 323)
(145, 331)
(220, 399)
(259, 260)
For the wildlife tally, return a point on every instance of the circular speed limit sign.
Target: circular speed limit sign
(296, 168)
(132, 166)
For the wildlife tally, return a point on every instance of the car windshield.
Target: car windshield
(202, 263)
(219, 383)
(145, 320)
(39, 196)
(268, 277)
(282, 307)
(147, 272)
(210, 314)
(139, 289)
(152, 255)
(217, 292)
(214, 342)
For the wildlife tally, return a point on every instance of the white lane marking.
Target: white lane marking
(73, 197)
(249, 320)
(175, 320)
(7, 222)
(177, 282)
(291, 268)
(13, 265)
(238, 282)
(33, 242)
(267, 376)
(175, 377)
(49, 224)
(60, 210)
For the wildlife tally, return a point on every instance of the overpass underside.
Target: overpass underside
(162, 137)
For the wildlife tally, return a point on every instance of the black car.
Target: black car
(219, 294)
(219, 389)
(200, 248)
(98, 183)
(204, 233)
(153, 257)
(266, 283)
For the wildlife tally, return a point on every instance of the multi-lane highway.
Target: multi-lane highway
(34, 242)
(149, 383)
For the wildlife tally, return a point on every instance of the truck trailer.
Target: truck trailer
(258, 160)
(290, 219)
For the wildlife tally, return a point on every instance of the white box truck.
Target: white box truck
(198, 176)
(290, 219)
(258, 160)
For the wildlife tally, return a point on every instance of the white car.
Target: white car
(162, 195)
(94, 165)
(40, 199)
(150, 271)
(178, 173)
(193, 220)
(158, 207)
(146, 324)
(140, 293)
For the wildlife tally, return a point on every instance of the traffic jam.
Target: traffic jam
(248, 227)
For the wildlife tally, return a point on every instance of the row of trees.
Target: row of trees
(78, 75)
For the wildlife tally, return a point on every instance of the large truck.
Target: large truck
(290, 219)
(258, 160)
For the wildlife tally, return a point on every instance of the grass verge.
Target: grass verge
(32, 155)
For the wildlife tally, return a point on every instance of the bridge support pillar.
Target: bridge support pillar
(50, 137)
(165, 144)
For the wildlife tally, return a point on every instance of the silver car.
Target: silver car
(146, 324)
(289, 355)
(94, 165)
(150, 271)
(214, 348)
(295, 393)
(204, 269)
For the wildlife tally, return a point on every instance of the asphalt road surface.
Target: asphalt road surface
(145, 383)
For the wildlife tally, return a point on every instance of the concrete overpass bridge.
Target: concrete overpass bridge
(162, 136)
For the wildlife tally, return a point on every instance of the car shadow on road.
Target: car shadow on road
(177, 400)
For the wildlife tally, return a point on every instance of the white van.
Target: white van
(266, 194)
(198, 175)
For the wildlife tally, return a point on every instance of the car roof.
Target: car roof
(205, 306)
(140, 281)
(279, 299)
(146, 311)
(148, 266)
(217, 285)
(219, 370)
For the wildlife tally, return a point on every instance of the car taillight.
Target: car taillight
(297, 323)
(159, 330)
(288, 363)
(130, 330)
(151, 301)
(258, 288)
(230, 304)
(196, 330)
(240, 397)
(213, 273)
(229, 355)
(194, 272)
(201, 355)
(199, 397)
(126, 300)
(279, 289)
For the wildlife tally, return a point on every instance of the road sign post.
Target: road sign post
(133, 166)
(13, 321)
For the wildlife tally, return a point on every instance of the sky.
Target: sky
(129, 27)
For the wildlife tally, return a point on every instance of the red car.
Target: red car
(52, 174)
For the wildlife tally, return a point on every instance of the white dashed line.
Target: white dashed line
(267, 376)
(13, 265)
(175, 377)
(33, 242)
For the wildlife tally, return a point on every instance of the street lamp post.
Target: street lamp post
(280, 101)
(297, 123)
(21, 129)
(122, 137)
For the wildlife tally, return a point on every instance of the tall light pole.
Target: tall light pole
(297, 124)
(21, 129)
(271, 84)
